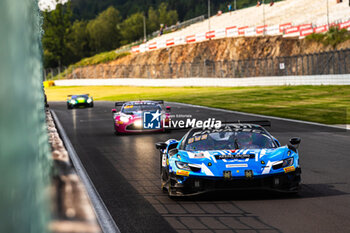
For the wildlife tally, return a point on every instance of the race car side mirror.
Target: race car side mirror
(295, 141)
(114, 110)
(168, 108)
(294, 144)
(173, 152)
(161, 145)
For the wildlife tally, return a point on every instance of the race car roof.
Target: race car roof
(81, 95)
(139, 102)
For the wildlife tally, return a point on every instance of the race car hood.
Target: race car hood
(81, 99)
(214, 163)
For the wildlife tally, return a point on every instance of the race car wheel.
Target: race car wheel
(164, 175)
(164, 178)
(91, 105)
(69, 106)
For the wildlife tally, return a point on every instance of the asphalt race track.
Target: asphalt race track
(125, 172)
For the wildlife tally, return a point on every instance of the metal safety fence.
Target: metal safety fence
(332, 62)
(172, 28)
(179, 25)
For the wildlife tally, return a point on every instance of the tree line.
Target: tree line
(66, 42)
(82, 28)
(186, 9)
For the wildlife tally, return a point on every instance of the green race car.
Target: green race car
(77, 101)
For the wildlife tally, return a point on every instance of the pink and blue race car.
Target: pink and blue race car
(140, 116)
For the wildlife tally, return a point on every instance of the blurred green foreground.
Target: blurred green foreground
(24, 151)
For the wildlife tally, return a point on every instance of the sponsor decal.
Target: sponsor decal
(236, 165)
(164, 160)
(289, 169)
(182, 173)
(197, 138)
(235, 156)
(198, 155)
(152, 120)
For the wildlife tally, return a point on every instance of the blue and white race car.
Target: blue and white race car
(234, 156)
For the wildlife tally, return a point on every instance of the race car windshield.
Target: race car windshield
(229, 141)
(79, 96)
(141, 108)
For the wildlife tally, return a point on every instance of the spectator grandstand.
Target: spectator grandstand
(309, 14)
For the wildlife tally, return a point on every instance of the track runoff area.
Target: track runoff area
(125, 172)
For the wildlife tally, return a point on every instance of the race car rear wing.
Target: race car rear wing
(79, 94)
(264, 123)
(119, 103)
(158, 101)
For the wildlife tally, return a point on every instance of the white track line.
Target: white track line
(261, 116)
(103, 216)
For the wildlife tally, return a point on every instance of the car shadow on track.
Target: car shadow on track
(307, 191)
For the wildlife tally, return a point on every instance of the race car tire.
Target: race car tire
(91, 105)
(164, 176)
(69, 106)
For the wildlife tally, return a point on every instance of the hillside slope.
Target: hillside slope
(226, 49)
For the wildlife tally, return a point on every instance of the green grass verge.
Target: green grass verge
(324, 104)
(94, 60)
(332, 37)
(101, 58)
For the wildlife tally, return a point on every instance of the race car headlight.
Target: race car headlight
(124, 119)
(138, 124)
(182, 165)
(72, 101)
(288, 162)
(89, 100)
